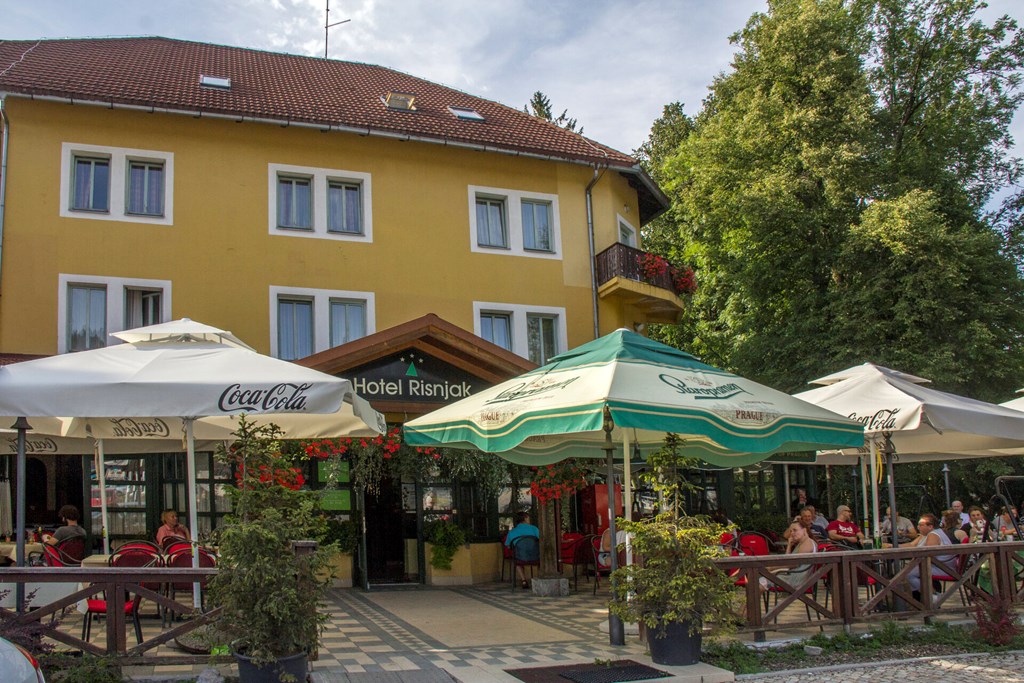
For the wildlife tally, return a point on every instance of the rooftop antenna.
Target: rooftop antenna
(328, 24)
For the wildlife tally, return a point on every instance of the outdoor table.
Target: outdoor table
(9, 549)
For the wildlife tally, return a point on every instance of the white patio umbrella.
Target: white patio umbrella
(46, 439)
(923, 424)
(183, 370)
(625, 388)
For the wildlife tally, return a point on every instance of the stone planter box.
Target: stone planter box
(472, 563)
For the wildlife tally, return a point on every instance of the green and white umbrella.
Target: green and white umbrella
(624, 388)
(650, 389)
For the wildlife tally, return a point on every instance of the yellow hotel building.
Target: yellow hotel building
(307, 205)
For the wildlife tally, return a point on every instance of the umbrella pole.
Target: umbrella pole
(874, 489)
(101, 477)
(862, 466)
(193, 505)
(616, 631)
(627, 490)
(893, 513)
(19, 594)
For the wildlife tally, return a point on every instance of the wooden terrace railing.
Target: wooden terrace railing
(117, 584)
(858, 586)
(620, 260)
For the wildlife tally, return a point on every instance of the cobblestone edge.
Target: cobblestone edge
(868, 665)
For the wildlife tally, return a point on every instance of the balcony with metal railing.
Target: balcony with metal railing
(623, 279)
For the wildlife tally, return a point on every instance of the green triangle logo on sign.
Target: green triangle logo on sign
(411, 372)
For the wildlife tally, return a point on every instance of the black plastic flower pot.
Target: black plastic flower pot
(290, 668)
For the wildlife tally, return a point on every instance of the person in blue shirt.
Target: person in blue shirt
(522, 528)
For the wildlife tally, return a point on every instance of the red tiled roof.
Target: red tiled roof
(11, 358)
(164, 73)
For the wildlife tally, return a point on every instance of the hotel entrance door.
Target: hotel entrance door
(386, 534)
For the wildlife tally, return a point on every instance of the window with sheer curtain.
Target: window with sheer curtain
(146, 188)
(91, 184)
(344, 208)
(490, 223)
(294, 203)
(294, 328)
(536, 225)
(497, 328)
(87, 317)
(348, 321)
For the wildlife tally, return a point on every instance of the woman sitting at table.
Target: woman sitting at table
(69, 515)
(171, 528)
(951, 526)
(800, 543)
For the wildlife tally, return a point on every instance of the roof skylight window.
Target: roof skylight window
(401, 101)
(222, 82)
(466, 114)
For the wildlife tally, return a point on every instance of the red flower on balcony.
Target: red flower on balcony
(656, 269)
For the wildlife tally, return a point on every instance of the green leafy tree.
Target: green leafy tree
(540, 106)
(831, 195)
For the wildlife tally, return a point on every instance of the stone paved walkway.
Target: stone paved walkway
(1003, 668)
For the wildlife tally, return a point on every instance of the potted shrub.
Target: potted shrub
(673, 588)
(269, 592)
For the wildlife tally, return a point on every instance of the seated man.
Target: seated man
(819, 519)
(806, 520)
(904, 527)
(844, 529)
(71, 528)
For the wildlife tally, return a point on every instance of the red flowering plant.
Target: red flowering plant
(554, 482)
(373, 458)
(657, 271)
(265, 475)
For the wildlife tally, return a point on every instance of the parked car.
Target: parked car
(17, 665)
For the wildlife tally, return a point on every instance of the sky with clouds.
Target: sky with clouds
(613, 64)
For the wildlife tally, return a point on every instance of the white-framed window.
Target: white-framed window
(145, 188)
(496, 327)
(348, 320)
(491, 224)
(320, 202)
(294, 202)
(627, 233)
(541, 337)
(305, 321)
(90, 307)
(503, 221)
(536, 225)
(344, 207)
(294, 327)
(116, 184)
(534, 332)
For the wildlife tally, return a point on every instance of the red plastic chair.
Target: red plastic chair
(146, 546)
(959, 565)
(127, 558)
(72, 551)
(575, 552)
(506, 557)
(175, 546)
(183, 558)
(754, 543)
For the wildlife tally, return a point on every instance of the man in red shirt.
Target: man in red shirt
(844, 529)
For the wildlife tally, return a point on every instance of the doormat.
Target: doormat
(618, 671)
